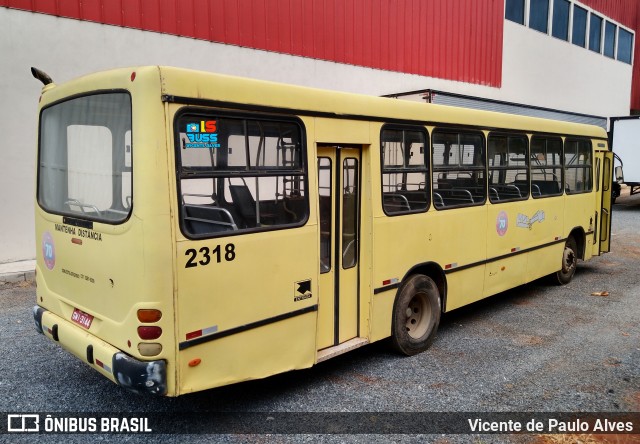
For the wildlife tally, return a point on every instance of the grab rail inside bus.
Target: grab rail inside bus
(396, 202)
(82, 206)
(215, 218)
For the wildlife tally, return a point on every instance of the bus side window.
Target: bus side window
(404, 170)
(578, 166)
(508, 167)
(240, 174)
(546, 166)
(458, 168)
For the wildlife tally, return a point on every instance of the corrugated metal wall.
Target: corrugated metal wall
(450, 39)
(622, 11)
(456, 40)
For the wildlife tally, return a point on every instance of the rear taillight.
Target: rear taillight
(148, 332)
(149, 316)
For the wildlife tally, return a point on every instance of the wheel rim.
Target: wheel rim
(418, 316)
(568, 260)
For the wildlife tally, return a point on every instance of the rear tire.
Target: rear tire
(416, 315)
(569, 262)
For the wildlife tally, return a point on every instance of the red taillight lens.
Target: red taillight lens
(149, 332)
(149, 315)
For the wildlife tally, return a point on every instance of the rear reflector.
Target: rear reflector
(149, 315)
(149, 349)
(203, 332)
(102, 365)
(149, 332)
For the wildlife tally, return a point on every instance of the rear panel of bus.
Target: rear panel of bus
(102, 220)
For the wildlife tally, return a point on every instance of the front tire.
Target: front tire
(569, 262)
(416, 315)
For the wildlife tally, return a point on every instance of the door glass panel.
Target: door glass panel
(604, 231)
(326, 206)
(606, 176)
(349, 212)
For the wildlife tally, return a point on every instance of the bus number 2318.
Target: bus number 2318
(206, 255)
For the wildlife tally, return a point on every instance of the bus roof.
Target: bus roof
(211, 89)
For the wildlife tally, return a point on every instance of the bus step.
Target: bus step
(339, 349)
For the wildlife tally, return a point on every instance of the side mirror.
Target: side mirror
(619, 174)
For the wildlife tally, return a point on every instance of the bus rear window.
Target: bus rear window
(239, 174)
(84, 167)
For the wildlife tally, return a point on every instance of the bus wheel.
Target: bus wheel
(416, 315)
(569, 262)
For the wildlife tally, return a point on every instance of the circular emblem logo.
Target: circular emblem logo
(502, 223)
(48, 250)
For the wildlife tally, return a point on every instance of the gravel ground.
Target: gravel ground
(537, 348)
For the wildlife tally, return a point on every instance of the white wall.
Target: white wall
(541, 70)
(66, 49)
(545, 71)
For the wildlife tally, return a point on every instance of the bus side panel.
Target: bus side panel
(450, 238)
(381, 311)
(544, 262)
(250, 312)
(506, 241)
(580, 211)
(464, 287)
(544, 219)
(459, 240)
(399, 243)
(504, 274)
(252, 354)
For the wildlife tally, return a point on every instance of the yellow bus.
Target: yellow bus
(197, 230)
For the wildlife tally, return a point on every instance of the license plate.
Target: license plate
(82, 318)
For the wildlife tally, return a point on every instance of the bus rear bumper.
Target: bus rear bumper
(131, 373)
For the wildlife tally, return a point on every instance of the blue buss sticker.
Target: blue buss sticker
(203, 134)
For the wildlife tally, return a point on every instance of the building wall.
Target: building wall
(66, 48)
(544, 71)
(534, 68)
(408, 36)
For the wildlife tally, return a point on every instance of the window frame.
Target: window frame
(590, 166)
(354, 207)
(277, 172)
(575, 31)
(546, 166)
(555, 19)
(490, 169)
(592, 33)
(619, 47)
(326, 240)
(521, 8)
(404, 170)
(438, 170)
(533, 19)
(609, 44)
(76, 215)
